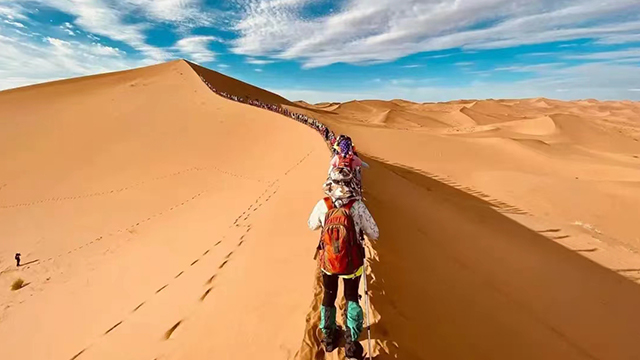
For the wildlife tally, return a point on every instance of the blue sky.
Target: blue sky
(339, 50)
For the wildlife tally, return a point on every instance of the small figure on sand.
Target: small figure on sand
(17, 257)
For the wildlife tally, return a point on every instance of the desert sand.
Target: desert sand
(158, 220)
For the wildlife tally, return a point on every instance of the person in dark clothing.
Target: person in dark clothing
(17, 257)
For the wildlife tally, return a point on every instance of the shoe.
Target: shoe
(329, 328)
(353, 350)
(330, 342)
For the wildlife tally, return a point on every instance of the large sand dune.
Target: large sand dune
(161, 221)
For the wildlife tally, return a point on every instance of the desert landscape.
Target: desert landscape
(159, 220)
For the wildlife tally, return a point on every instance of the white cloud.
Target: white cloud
(14, 23)
(635, 90)
(223, 66)
(364, 31)
(539, 54)
(257, 70)
(464, 63)
(183, 12)
(68, 28)
(411, 66)
(26, 60)
(103, 50)
(258, 61)
(530, 68)
(107, 19)
(619, 39)
(438, 56)
(60, 44)
(608, 55)
(195, 48)
(11, 10)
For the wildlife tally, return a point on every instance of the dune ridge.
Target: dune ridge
(152, 210)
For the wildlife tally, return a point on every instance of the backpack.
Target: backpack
(341, 252)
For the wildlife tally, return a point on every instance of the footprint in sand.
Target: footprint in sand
(138, 307)
(113, 327)
(169, 332)
(162, 288)
(223, 264)
(211, 279)
(78, 354)
(205, 294)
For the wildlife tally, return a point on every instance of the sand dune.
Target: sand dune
(159, 220)
(515, 228)
(134, 190)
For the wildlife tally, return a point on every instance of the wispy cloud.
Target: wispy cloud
(188, 13)
(110, 19)
(599, 53)
(530, 68)
(14, 23)
(258, 61)
(608, 55)
(25, 62)
(196, 48)
(619, 39)
(438, 56)
(68, 28)
(104, 19)
(366, 31)
(11, 10)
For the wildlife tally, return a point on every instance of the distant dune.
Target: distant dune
(158, 220)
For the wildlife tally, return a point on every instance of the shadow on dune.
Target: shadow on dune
(456, 279)
(29, 263)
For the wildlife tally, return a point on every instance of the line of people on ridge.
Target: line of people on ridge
(311, 122)
(344, 219)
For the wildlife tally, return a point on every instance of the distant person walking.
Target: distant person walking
(346, 167)
(345, 154)
(342, 217)
(17, 257)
